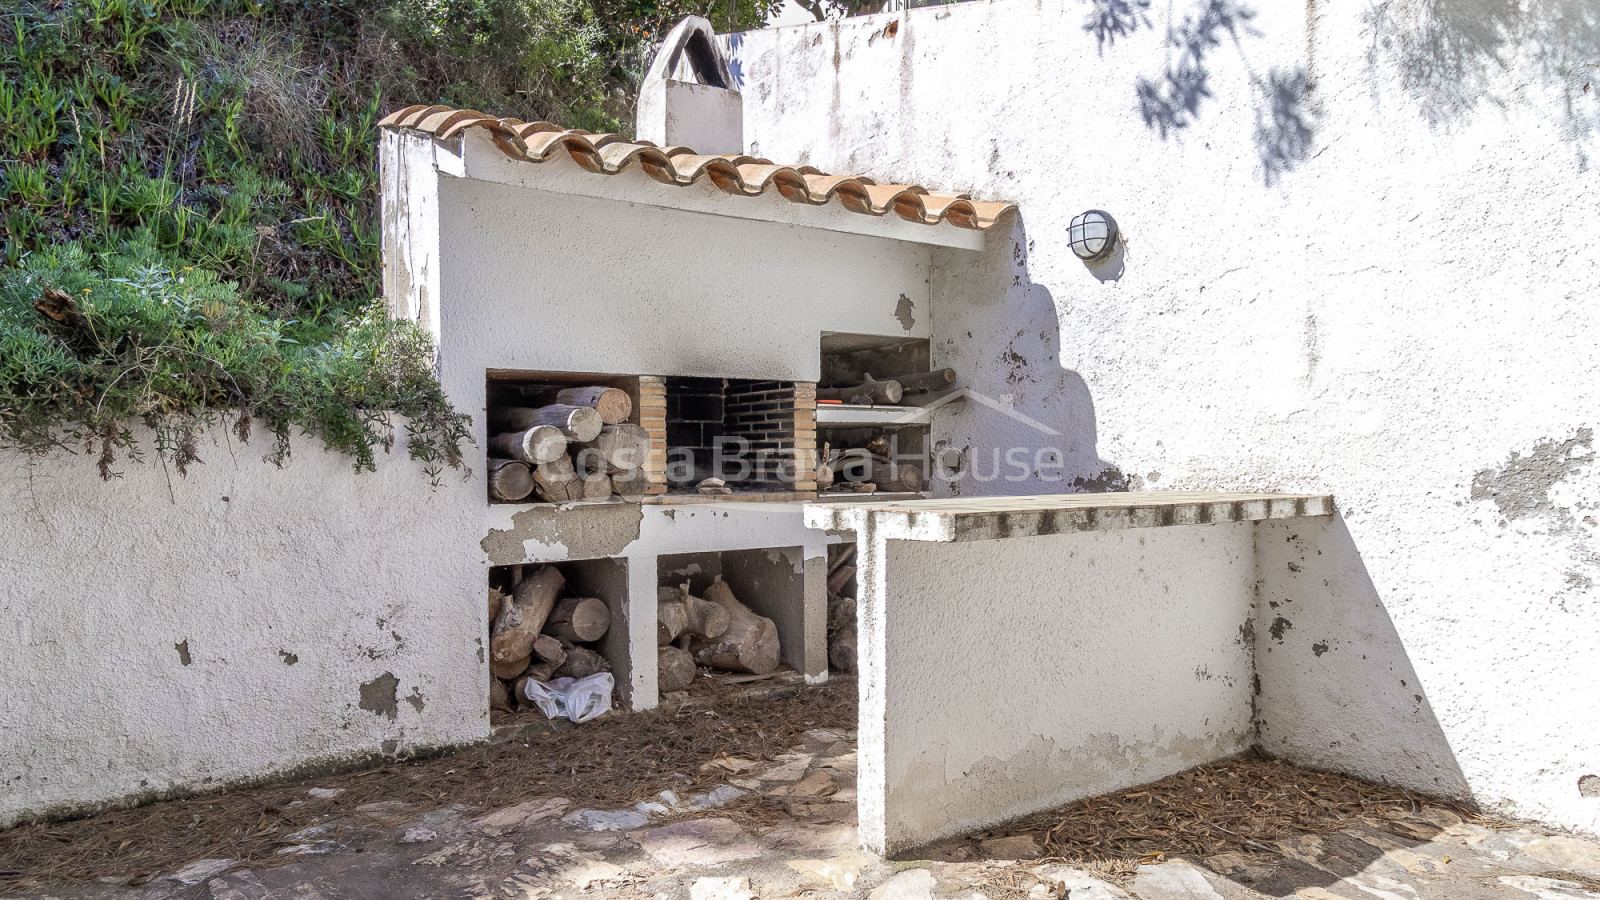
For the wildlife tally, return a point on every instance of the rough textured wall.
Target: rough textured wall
(586, 285)
(1025, 673)
(164, 634)
(1338, 689)
(1359, 259)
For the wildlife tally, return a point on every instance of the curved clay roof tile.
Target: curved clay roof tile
(608, 154)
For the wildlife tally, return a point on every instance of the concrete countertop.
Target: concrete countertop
(988, 518)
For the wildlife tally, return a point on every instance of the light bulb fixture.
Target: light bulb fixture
(1092, 235)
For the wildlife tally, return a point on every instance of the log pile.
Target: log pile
(860, 459)
(579, 448)
(716, 631)
(842, 592)
(538, 634)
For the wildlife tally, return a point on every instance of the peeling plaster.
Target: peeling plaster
(380, 696)
(183, 651)
(1279, 627)
(1521, 488)
(903, 311)
(587, 531)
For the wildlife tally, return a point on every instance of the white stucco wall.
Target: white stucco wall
(536, 280)
(1021, 674)
(1377, 281)
(178, 634)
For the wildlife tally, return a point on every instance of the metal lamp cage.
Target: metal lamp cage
(1092, 234)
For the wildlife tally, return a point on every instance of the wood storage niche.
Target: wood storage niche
(566, 437)
(553, 620)
(737, 613)
(874, 405)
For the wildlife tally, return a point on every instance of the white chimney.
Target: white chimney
(705, 114)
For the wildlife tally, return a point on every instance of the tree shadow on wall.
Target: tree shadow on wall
(1112, 20)
(1028, 424)
(1172, 101)
(1450, 55)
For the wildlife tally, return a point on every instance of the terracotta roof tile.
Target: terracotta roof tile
(746, 176)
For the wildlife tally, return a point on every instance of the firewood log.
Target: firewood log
(509, 479)
(675, 669)
(863, 466)
(630, 485)
(825, 467)
(547, 648)
(581, 663)
(522, 619)
(509, 667)
(578, 423)
(596, 486)
(557, 481)
(620, 448)
(497, 598)
(749, 645)
(613, 404)
(499, 696)
(535, 445)
(678, 613)
(847, 555)
(842, 650)
(579, 619)
(841, 613)
(907, 478)
(869, 392)
(672, 617)
(840, 577)
(537, 672)
(938, 379)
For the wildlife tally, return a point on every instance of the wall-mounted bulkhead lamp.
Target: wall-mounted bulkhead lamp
(1092, 235)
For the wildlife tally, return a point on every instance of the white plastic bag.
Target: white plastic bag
(579, 700)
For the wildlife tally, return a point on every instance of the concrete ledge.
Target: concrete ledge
(989, 518)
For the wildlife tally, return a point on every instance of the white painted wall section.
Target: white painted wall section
(174, 634)
(1027, 673)
(1360, 262)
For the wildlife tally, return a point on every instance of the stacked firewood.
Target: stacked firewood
(861, 460)
(842, 593)
(537, 634)
(866, 468)
(581, 447)
(890, 392)
(716, 631)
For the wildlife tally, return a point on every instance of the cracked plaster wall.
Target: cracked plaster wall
(163, 637)
(1362, 262)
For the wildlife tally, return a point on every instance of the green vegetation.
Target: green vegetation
(199, 178)
(126, 337)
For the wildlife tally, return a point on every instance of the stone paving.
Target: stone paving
(714, 846)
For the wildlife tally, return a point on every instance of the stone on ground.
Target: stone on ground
(1019, 846)
(1568, 854)
(1173, 881)
(1081, 884)
(502, 821)
(912, 884)
(721, 889)
(606, 819)
(840, 872)
(700, 842)
(200, 870)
